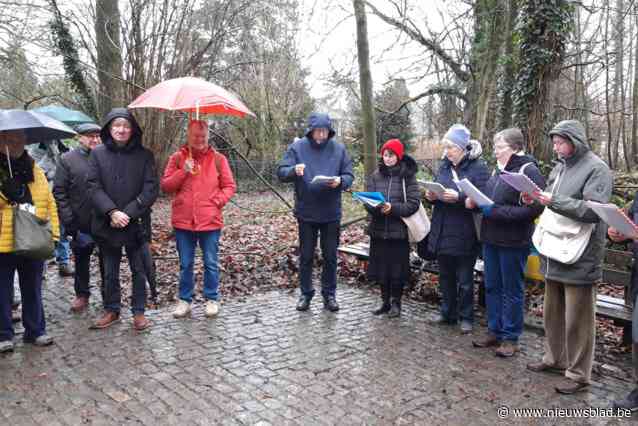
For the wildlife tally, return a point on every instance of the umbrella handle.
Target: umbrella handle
(9, 162)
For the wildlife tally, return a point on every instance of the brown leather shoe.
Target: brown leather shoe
(539, 367)
(140, 322)
(65, 270)
(489, 341)
(79, 304)
(507, 349)
(570, 387)
(108, 319)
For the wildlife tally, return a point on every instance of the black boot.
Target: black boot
(395, 308)
(385, 300)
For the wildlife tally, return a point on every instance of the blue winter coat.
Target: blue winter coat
(452, 232)
(317, 203)
(510, 222)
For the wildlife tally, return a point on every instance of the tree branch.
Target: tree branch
(430, 44)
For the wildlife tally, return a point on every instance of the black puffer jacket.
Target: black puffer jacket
(389, 182)
(511, 223)
(70, 191)
(122, 178)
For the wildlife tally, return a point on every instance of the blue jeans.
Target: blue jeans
(456, 281)
(329, 240)
(30, 278)
(62, 249)
(505, 290)
(186, 244)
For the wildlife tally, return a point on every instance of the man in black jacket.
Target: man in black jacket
(74, 208)
(123, 184)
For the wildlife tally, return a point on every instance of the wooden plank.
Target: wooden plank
(614, 276)
(620, 259)
(613, 308)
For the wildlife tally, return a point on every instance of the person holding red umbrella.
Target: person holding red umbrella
(202, 182)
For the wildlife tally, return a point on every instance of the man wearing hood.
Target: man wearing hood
(123, 184)
(318, 202)
(74, 208)
(570, 289)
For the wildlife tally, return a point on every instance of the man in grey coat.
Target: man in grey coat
(570, 289)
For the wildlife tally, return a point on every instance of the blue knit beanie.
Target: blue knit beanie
(459, 135)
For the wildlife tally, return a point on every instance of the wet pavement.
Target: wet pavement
(262, 362)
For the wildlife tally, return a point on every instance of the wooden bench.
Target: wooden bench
(617, 270)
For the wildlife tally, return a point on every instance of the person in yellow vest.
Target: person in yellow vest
(22, 182)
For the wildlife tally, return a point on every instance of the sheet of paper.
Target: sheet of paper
(520, 182)
(473, 192)
(435, 187)
(615, 217)
(323, 179)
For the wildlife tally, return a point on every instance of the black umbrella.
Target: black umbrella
(35, 126)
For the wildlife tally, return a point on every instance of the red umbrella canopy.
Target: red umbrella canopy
(190, 94)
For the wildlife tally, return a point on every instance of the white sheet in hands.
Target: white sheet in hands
(473, 192)
(615, 217)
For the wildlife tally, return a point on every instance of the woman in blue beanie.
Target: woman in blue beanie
(453, 237)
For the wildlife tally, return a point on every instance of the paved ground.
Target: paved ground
(261, 362)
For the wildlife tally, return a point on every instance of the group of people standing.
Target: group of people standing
(106, 186)
(102, 196)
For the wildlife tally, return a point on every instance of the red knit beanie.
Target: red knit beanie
(395, 146)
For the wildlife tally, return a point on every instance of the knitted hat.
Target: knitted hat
(459, 135)
(395, 146)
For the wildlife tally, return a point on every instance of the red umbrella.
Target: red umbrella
(190, 94)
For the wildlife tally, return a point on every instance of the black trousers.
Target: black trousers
(82, 276)
(112, 257)
(328, 234)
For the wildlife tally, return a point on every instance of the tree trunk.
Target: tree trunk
(634, 125)
(509, 72)
(365, 83)
(489, 27)
(109, 57)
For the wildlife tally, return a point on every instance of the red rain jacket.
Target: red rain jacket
(199, 198)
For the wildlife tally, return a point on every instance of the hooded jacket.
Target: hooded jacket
(199, 198)
(511, 222)
(317, 203)
(389, 182)
(574, 180)
(121, 178)
(452, 231)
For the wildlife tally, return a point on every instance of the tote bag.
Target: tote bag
(561, 238)
(32, 236)
(418, 223)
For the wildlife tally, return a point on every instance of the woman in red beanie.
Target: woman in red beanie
(389, 263)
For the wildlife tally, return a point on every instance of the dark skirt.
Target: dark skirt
(389, 261)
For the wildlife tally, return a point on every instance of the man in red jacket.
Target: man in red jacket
(203, 183)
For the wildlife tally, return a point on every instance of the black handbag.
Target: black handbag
(32, 236)
(423, 250)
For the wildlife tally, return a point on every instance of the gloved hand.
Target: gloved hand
(487, 210)
(12, 189)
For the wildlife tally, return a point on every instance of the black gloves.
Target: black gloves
(13, 190)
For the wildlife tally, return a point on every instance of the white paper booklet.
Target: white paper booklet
(520, 182)
(435, 187)
(615, 217)
(473, 192)
(323, 179)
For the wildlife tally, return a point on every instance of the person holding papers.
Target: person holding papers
(506, 234)
(630, 402)
(317, 202)
(570, 288)
(389, 263)
(452, 234)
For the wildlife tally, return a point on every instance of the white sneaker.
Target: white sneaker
(211, 308)
(183, 309)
